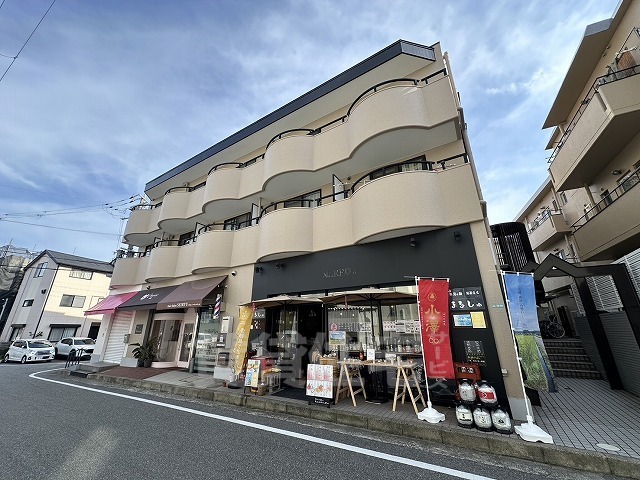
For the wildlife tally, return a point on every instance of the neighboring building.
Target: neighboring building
(586, 212)
(12, 263)
(366, 180)
(53, 295)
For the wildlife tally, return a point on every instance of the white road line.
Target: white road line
(279, 431)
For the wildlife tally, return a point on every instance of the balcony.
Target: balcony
(612, 228)
(415, 201)
(396, 119)
(285, 233)
(163, 261)
(180, 209)
(408, 197)
(142, 226)
(130, 270)
(606, 122)
(547, 229)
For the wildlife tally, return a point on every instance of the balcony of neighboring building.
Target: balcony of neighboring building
(142, 227)
(607, 120)
(611, 229)
(130, 269)
(547, 228)
(395, 119)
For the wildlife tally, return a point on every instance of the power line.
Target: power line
(60, 228)
(117, 205)
(27, 41)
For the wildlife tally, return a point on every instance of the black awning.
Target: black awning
(146, 299)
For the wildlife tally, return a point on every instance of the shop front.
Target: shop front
(383, 327)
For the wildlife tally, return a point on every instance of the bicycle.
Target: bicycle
(551, 327)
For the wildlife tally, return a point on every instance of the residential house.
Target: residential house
(55, 291)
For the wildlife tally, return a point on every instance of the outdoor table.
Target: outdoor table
(348, 374)
(404, 370)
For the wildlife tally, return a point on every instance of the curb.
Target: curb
(557, 456)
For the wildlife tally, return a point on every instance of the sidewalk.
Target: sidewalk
(580, 418)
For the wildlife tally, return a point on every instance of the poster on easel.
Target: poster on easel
(253, 373)
(319, 381)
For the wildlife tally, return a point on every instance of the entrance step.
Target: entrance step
(568, 359)
(78, 373)
(569, 373)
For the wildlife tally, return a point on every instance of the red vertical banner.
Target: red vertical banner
(433, 296)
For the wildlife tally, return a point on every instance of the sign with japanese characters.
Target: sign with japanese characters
(319, 381)
(468, 298)
(434, 326)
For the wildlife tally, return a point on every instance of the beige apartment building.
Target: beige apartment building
(587, 211)
(367, 180)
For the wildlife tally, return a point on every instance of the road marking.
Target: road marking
(308, 438)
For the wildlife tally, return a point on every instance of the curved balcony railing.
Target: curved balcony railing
(146, 206)
(421, 162)
(342, 119)
(632, 180)
(130, 254)
(185, 188)
(603, 80)
(287, 133)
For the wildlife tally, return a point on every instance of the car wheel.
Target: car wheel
(55, 353)
(24, 359)
(6, 358)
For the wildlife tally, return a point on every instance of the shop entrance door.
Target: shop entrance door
(186, 341)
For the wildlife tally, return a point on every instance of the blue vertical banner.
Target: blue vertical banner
(521, 304)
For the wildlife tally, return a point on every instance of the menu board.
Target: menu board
(319, 381)
(474, 351)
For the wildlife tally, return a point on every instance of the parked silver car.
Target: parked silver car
(29, 351)
(68, 345)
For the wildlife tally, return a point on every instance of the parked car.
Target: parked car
(30, 351)
(68, 345)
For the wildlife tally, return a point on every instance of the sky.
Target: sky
(107, 95)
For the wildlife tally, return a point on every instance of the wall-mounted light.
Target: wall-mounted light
(280, 266)
(413, 243)
(457, 235)
(43, 291)
(616, 172)
(258, 269)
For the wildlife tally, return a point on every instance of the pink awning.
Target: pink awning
(109, 304)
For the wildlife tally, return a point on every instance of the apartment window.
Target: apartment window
(40, 269)
(75, 301)
(311, 199)
(563, 198)
(186, 238)
(84, 274)
(238, 222)
(57, 333)
(27, 303)
(16, 332)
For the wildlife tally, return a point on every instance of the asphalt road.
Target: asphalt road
(56, 427)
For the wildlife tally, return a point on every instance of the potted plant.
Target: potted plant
(146, 353)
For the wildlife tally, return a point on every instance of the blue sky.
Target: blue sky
(110, 94)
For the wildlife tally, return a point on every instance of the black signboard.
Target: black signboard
(467, 298)
(474, 351)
